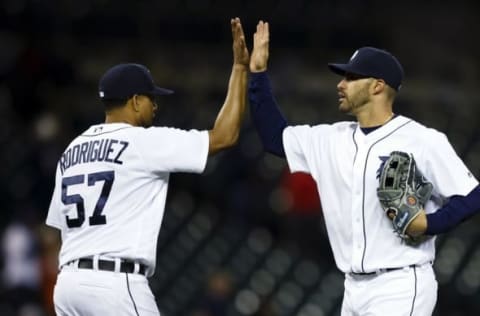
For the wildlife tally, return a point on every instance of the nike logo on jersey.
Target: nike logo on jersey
(109, 150)
(383, 159)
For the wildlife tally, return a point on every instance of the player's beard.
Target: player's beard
(352, 103)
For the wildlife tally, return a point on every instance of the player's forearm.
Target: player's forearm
(266, 116)
(227, 125)
(229, 119)
(458, 209)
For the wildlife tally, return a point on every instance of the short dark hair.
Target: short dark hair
(111, 104)
(391, 92)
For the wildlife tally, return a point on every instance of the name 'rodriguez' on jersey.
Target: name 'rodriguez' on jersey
(108, 150)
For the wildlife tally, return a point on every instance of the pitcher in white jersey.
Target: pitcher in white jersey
(111, 184)
(383, 274)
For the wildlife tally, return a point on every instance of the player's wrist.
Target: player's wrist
(257, 67)
(240, 67)
(257, 70)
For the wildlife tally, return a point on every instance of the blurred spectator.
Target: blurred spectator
(20, 293)
(218, 290)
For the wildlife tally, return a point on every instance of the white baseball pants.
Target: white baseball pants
(82, 292)
(410, 291)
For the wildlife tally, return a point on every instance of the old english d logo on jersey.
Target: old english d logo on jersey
(383, 159)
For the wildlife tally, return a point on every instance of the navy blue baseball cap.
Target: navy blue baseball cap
(124, 80)
(375, 63)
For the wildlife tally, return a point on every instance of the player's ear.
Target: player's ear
(378, 86)
(135, 103)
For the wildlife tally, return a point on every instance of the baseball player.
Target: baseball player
(111, 186)
(384, 275)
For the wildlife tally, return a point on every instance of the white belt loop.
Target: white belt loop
(74, 264)
(95, 262)
(118, 263)
(136, 268)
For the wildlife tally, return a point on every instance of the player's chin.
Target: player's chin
(344, 107)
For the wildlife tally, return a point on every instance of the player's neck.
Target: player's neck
(373, 119)
(115, 118)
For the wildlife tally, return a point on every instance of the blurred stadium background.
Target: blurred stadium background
(247, 237)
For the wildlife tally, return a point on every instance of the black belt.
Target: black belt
(107, 265)
(382, 270)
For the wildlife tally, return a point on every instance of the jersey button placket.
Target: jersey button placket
(357, 198)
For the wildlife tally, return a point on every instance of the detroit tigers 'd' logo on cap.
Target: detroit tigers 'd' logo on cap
(354, 55)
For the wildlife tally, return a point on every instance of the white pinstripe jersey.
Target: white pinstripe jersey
(111, 185)
(345, 165)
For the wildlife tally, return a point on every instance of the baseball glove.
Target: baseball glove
(403, 191)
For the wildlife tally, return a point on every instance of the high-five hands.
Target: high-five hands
(240, 51)
(261, 38)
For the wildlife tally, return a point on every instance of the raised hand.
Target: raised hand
(261, 38)
(240, 51)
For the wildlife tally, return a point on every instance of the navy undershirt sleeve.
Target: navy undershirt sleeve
(266, 116)
(458, 209)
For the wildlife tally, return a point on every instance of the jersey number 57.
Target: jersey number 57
(97, 218)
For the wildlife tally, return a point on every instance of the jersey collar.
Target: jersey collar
(104, 128)
(382, 131)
